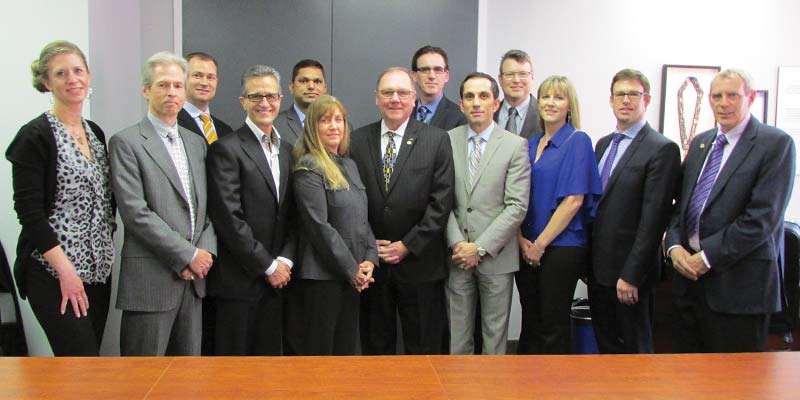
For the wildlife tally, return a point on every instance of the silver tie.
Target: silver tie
(475, 157)
(181, 162)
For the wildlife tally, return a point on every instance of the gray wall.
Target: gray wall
(354, 39)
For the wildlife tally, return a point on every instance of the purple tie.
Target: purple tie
(612, 154)
(703, 187)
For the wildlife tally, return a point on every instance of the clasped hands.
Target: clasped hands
(364, 276)
(690, 266)
(199, 266)
(465, 255)
(530, 253)
(391, 252)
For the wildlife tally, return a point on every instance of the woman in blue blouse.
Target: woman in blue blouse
(565, 188)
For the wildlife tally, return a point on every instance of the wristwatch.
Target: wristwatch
(481, 251)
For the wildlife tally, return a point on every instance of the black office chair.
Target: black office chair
(12, 335)
(785, 321)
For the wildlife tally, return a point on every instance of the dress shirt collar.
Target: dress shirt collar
(485, 134)
(300, 115)
(430, 106)
(522, 106)
(194, 111)
(162, 129)
(399, 132)
(275, 138)
(734, 134)
(631, 132)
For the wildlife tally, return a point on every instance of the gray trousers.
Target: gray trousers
(495, 302)
(175, 332)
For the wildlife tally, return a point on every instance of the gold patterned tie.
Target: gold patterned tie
(208, 129)
(388, 159)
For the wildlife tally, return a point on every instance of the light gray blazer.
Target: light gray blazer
(158, 243)
(491, 211)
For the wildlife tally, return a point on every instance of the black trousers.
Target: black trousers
(68, 335)
(249, 327)
(423, 317)
(698, 329)
(620, 328)
(331, 309)
(294, 321)
(545, 295)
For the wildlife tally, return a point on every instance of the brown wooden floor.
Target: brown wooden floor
(660, 376)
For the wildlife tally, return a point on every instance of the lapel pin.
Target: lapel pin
(410, 141)
(702, 145)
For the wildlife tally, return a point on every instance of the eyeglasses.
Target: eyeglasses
(257, 97)
(402, 94)
(633, 95)
(519, 74)
(436, 70)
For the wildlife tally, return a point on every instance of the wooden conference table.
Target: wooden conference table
(664, 376)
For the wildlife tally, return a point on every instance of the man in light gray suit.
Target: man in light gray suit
(492, 186)
(159, 179)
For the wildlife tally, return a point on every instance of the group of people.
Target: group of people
(295, 235)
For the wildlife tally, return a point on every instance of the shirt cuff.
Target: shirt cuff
(705, 260)
(669, 250)
(289, 263)
(272, 268)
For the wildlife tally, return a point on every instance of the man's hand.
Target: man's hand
(465, 255)
(680, 261)
(696, 263)
(281, 277)
(187, 274)
(391, 252)
(201, 263)
(364, 275)
(627, 293)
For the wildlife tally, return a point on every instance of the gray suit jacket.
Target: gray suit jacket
(288, 125)
(741, 225)
(491, 211)
(337, 220)
(158, 243)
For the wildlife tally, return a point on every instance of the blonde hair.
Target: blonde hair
(311, 145)
(40, 66)
(560, 84)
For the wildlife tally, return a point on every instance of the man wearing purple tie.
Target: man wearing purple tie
(639, 170)
(726, 235)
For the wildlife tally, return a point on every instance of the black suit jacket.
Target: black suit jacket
(741, 226)
(288, 125)
(252, 221)
(634, 210)
(419, 200)
(448, 115)
(185, 120)
(531, 125)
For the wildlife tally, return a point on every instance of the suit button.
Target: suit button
(386, 208)
(465, 230)
(469, 209)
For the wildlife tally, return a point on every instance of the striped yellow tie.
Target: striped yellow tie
(208, 129)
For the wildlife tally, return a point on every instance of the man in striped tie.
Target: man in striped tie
(201, 88)
(726, 235)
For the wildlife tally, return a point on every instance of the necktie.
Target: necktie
(511, 124)
(181, 163)
(389, 158)
(208, 129)
(475, 158)
(422, 113)
(703, 187)
(612, 154)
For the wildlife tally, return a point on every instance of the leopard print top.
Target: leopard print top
(82, 218)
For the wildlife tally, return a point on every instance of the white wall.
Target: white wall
(27, 26)
(116, 42)
(588, 41)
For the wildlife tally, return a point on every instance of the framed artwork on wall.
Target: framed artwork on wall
(685, 111)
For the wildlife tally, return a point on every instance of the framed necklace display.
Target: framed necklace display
(685, 111)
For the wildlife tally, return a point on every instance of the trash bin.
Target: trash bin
(583, 341)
